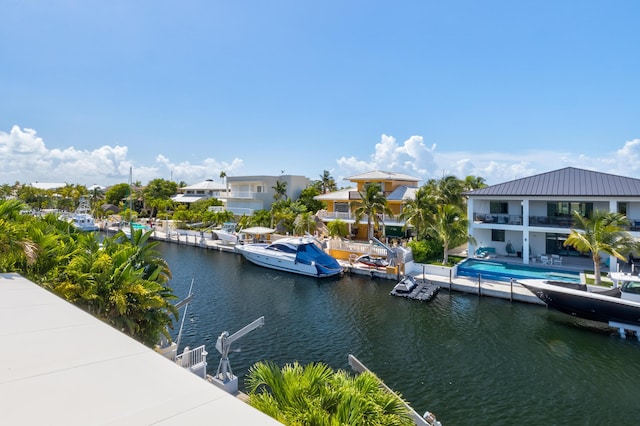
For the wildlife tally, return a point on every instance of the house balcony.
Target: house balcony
(350, 217)
(503, 219)
(245, 194)
(540, 221)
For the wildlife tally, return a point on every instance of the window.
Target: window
(259, 188)
(341, 207)
(497, 235)
(622, 208)
(498, 207)
(566, 209)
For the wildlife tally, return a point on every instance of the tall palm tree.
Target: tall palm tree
(602, 232)
(327, 183)
(449, 226)
(418, 211)
(372, 203)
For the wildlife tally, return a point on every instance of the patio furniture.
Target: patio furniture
(556, 259)
(545, 260)
(510, 249)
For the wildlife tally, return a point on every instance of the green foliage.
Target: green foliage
(425, 251)
(306, 199)
(372, 204)
(602, 232)
(338, 228)
(123, 281)
(317, 395)
(116, 194)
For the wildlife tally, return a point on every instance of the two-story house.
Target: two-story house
(396, 187)
(250, 193)
(200, 191)
(534, 214)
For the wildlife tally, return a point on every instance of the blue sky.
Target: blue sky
(183, 90)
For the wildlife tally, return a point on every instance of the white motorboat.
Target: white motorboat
(299, 255)
(227, 234)
(82, 219)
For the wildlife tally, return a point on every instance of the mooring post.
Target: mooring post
(511, 290)
(450, 279)
(479, 285)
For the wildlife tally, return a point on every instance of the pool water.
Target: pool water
(499, 271)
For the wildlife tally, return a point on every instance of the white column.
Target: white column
(525, 232)
(471, 228)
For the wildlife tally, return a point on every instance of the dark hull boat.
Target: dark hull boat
(373, 261)
(617, 305)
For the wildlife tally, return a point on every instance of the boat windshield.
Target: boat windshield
(631, 287)
(285, 248)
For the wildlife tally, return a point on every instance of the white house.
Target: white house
(534, 214)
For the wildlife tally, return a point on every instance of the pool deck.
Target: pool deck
(507, 290)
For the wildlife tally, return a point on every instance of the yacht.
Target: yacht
(299, 255)
(82, 219)
(619, 305)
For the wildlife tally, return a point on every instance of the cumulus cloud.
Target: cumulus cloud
(412, 157)
(24, 157)
(415, 158)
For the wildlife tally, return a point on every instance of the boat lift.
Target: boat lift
(225, 378)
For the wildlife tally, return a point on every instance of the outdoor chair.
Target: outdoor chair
(556, 259)
(544, 259)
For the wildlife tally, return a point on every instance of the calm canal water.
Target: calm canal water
(468, 360)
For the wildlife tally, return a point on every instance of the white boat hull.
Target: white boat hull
(260, 254)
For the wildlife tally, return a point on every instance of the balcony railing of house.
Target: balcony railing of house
(243, 194)
(542, 221)
(356, 247)
(505, 219)
(323, 214)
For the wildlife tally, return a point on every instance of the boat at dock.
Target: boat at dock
(299, 255)
(618, 305)
(373, 261)
(82, 219)
(227, 234)
(411, 288)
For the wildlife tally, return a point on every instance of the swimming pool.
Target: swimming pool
(499, 271)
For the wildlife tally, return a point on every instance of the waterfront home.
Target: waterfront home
(200, 191)
(250, 193)
(532, 217)
(397, 189)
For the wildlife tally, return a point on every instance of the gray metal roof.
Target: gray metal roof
(565, 182)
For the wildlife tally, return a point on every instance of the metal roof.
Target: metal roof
(570, 181)
(402, 193)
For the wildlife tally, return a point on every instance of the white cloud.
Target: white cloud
(412, 157)
(415, 158)
(24, 157)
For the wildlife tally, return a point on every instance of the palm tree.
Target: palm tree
(602, 232)
(280, 190)
(449, 226)
(316, 395)
(418, 211)
(14, 241)
(327, 183)
(372, 203)
(305, 222)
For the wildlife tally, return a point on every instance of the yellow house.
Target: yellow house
(396, 187)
